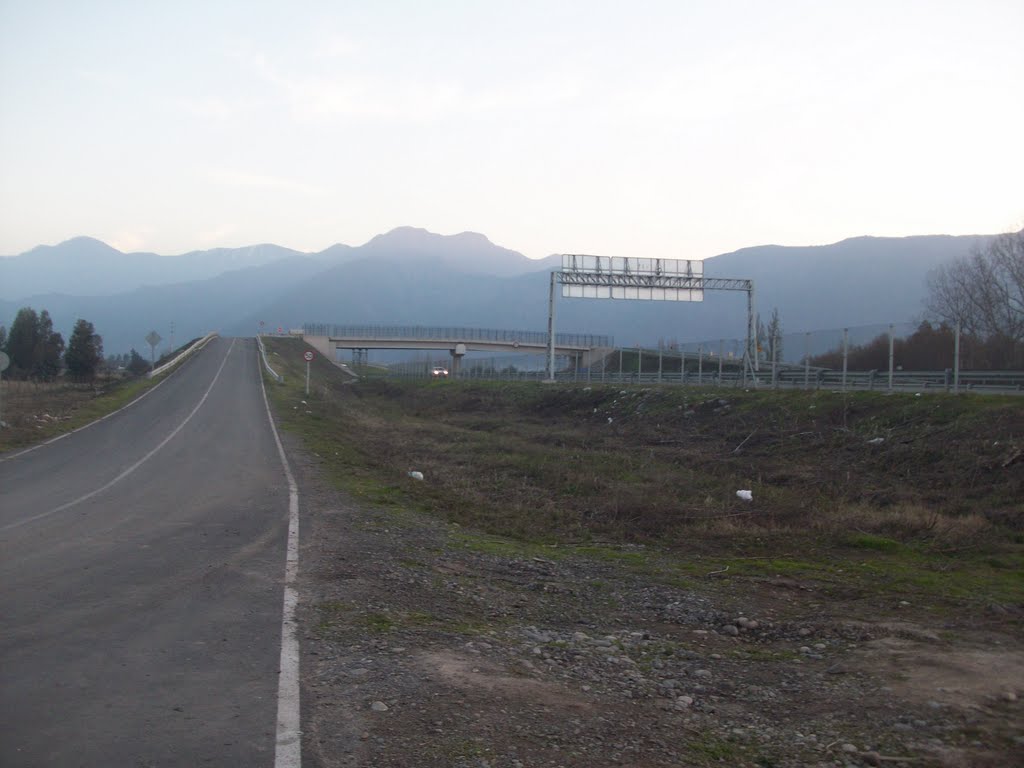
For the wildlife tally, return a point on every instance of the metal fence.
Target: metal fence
(794, 347)
(783, 363)
(653, 366)
(1006, 382)
(453, 334)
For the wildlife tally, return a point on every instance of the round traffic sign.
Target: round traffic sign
(308, 356)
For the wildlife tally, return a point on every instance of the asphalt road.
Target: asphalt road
(141, 574)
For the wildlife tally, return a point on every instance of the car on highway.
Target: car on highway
(438, 372)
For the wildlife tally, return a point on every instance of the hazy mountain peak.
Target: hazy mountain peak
(469, 252)
(80, 246)
(405, 239)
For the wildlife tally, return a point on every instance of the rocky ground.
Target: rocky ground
(424, 644)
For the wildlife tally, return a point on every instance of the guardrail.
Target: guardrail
(178, 358)
(263, 356)
(438, 333)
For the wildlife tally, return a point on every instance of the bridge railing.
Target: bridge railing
(449, 333)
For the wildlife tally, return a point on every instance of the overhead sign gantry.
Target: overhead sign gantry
(642, 279)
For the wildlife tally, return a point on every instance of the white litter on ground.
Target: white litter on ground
(876, 441)
(416, 475)
(745, 495)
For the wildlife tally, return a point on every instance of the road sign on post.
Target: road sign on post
(644, 279)
(308, 356)
(153, 338)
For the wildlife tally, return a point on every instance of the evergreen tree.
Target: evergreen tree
(23, 341)
(3, 338)
(85, 351)
(137, 365)
(50, 346)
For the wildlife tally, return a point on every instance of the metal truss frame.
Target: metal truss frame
(627, 280)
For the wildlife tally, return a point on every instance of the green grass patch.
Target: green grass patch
(330, 615)
(710, 747)
(877, 543)
(501, 546)
(377, 622)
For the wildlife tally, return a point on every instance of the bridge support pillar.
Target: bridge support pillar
(457, 354)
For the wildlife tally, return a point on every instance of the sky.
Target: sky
(674, 129)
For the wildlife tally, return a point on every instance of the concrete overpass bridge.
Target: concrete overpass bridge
(457, 341)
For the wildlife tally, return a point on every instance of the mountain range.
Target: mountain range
(412, 276)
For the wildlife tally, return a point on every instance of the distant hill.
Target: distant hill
(413, 276)
(860, 281)
(123, 320)
(857, 281)
(467, 252)
(86, 267)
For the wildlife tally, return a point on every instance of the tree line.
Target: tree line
(37, 351)
(982, 293)
(929, 348)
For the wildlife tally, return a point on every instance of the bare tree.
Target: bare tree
(983, 292)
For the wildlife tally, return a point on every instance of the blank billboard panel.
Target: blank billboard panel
(631, 292)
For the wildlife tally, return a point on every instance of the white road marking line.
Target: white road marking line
(134, 466)
(288, 749)
(96, 421)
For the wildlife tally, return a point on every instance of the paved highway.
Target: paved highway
(141, 573)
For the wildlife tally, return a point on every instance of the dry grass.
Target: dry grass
(654, 465)
(934, 508)
(35, 411)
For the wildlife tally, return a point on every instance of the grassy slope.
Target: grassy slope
(48, 411)
(648, 476)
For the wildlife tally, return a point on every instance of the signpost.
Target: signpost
(4, 362)
(308, 356)
(643, 279)
(153, 338)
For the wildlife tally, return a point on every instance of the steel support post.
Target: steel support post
(956, 359)
(846, 349)
(891, 356)
(807, 360)
(775, 361)
(752, 327)
(721, 359)
(551, 327)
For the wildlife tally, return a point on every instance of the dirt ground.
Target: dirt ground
(426, 644)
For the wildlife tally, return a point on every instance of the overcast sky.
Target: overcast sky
(676, 129)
